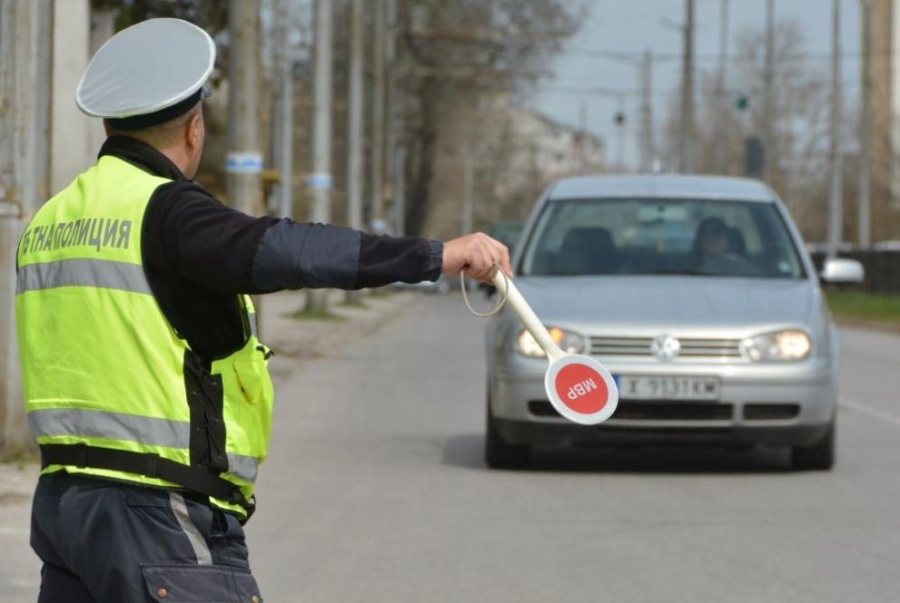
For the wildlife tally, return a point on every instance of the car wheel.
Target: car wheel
(500, 455)
(817, 457)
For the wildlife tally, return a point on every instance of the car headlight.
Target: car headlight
(782, 346)
(566, 340)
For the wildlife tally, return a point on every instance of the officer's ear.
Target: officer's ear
(195, 131)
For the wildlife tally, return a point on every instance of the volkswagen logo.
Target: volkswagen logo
(665, 347)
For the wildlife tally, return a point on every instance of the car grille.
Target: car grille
(676, 410)
(771, 412)
(690, 348)
(662, 410)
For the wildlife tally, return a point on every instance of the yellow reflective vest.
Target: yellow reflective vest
(111, 390)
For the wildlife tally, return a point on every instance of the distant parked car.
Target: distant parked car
(697, 293)
(887, 246)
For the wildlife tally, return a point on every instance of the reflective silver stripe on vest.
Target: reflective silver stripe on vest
(254, 328)
(244, 467)
(104, 274)
(111, 425)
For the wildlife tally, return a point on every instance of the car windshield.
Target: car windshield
(661, 236)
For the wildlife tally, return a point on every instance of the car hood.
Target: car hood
(683, 303)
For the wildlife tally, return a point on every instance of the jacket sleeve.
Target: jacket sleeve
(193, 235)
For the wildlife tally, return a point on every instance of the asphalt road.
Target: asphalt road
(375, 491)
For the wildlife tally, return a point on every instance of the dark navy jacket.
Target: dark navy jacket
(199, 254)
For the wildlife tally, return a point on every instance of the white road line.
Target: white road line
(868, 410)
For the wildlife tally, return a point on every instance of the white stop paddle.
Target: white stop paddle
(580, 388)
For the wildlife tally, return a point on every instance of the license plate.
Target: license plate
(668, 388)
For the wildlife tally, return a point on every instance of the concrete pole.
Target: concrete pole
(395, 107)
(355, 173)
(103, 27)
(581, 159)
(400, 191)
(835, 209)
(74, 133)
(283, 122)
(686, 137)
(865, 128)
(721, 137)
(768, 79)
(244, 161)
(620, 133)
(647, 112)
(468, 194)
(10, 219)
(244, 156)
(25, 65)
(355, 118)
(320, 180)
(378, 102)
(391, 92)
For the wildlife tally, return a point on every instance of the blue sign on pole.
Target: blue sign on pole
(319, 180)
(244, 162)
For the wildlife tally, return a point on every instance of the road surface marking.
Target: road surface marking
(867, 410)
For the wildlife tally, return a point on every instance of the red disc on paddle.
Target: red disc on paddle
(581, 389)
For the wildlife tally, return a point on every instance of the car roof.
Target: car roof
(661, 186)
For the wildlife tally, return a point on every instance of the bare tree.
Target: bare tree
(462, 58)
(799, 125)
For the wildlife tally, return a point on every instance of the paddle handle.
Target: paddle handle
(529, 319)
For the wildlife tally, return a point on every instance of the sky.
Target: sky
(634, 26)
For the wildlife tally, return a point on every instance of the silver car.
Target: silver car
(699, 297)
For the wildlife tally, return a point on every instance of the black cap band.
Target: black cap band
(139, 122)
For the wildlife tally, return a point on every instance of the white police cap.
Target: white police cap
(148, 74)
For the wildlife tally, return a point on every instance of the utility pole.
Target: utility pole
(686, 136)
(10, 215)
(283, 122)
(865, 128)
(378, 101)
(647, 112)
(25, 69)
(245, 161)
(355, 126)
(396, 106)
(581, 159)
(620, 132)
(835, 209)
(768, 79)
(320, 180)
(468, 194)
(721, 158)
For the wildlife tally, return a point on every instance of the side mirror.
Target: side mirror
(841, 271)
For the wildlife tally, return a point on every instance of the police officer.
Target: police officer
(145, 384)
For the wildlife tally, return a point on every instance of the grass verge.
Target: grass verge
(859, 307)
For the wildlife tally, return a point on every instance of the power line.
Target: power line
(634, 55)
(751, 91)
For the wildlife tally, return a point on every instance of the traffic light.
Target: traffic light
(741, 103)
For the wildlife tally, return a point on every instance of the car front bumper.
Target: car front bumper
(778, 405)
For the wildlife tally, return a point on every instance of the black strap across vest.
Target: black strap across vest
(150, 465)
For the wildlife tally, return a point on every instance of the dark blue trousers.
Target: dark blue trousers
(107, 542)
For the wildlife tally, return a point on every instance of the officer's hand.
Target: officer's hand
(476, 254)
